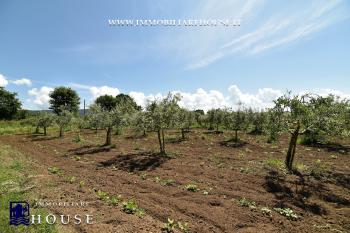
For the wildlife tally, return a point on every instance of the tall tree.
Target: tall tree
(9, 104)
(126, 100)
(64, 98)
(107, 102)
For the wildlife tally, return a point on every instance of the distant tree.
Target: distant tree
(45, 120)
(198, 117)
(310, 113)
(116, 117)
(215, 118)
(185, 120)
(9, 104)
(64, 98)
(122, 101)
(255, 121)
(274, 125)
(234, 120)
(162, 115)
(140, 122)
(107, 102)
(126, 100)
(63, 119)
(78, 123)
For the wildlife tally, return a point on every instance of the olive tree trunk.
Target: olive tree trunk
(292, 148)
(109, 136)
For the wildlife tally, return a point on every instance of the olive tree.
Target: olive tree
(140, 122)
(162, 115)
(185, 120)
(45, 120)
(107, 119)
(309, 113)
(215, 118)
(234, 120)
(255, 121)
(63, 119)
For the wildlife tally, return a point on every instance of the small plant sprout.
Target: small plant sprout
(266, 211)
(81, 184)
(54, 170)
(143, 176)
(131, 207)
(247, 203)
(289, 213)
(183, 227)
(72, 179)
(191, 187)
(114, 200)
(169, 226)
(103, 196)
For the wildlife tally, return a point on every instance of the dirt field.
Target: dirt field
(224, 175)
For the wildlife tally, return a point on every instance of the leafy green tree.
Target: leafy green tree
(107, 102)
(215, 118)
(126, 100)
(185, 120)
(45, 120)
(64, 98)
(78, 123)
(141, 122)
(255, 121)
(103, 118)
(9, 104)
(311, 113)
(234, 120)
(199, 113)
(162, 115)
(63, 120)
(274, 124)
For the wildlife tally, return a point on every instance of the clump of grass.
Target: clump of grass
(191, 187)
(143, 176)
(318, 169)
(54, 170)
(273, 163)
(287, 212)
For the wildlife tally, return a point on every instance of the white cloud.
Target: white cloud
(23, 81)
(41, 96)
(3, 81)
(200, 99)
(97, 91)
(261, 100)
(104, 90)
(262, 28)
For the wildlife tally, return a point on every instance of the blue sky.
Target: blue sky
(295, 45)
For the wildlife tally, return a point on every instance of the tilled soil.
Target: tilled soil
(224, 173)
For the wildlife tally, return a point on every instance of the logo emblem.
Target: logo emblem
(19, 213)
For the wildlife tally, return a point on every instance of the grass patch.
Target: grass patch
(11, 189)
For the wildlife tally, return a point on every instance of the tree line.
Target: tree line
(311, 116)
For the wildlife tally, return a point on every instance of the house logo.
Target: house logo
(19, 213)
